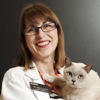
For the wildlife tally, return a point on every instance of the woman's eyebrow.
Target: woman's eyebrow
(31, 25)
(46, 22)
(28, 26)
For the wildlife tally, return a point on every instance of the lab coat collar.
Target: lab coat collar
(33, 72)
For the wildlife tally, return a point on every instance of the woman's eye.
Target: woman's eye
(30, 30)
(50, 25)
(46, 25)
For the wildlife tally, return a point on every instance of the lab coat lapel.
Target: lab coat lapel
(34, 76)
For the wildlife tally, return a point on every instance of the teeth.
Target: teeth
(43, 43)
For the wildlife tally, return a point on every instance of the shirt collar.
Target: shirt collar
(33, 72)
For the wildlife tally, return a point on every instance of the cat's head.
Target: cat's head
(76, 74)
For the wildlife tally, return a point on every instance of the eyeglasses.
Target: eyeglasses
(46, 27)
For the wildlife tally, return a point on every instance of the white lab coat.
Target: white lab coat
(16, 85)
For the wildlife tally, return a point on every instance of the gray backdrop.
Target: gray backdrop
(80, 20)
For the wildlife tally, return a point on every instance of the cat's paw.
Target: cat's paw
(47, 77)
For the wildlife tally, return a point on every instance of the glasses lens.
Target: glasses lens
(48, 27)
(45, 28)
(30, 31)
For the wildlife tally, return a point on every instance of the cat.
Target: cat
(79, 81)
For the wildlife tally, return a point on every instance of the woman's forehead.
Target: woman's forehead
(33, 22)
(36, 22)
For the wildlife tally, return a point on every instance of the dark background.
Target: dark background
(80, 20)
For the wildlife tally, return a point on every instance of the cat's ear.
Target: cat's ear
(68, 62)
(88, 68)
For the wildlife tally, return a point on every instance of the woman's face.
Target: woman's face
(42, 44)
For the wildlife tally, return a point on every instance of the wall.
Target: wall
(80, 20)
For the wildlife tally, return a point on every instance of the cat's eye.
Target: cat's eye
(80, 76)
(69, 73)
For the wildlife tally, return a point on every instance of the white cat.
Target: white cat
(79, 82)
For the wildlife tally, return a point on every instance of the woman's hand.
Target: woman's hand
(98, 99)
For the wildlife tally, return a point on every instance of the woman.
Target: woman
(42, 51)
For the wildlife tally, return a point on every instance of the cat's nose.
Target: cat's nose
(73, 81)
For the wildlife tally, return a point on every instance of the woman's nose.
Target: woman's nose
(40, 32)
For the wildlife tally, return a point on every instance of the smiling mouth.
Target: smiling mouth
(43, 43)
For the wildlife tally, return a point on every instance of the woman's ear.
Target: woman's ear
(68, 62)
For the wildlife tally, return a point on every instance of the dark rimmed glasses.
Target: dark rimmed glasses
(46, 27)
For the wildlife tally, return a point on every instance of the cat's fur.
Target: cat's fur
(79, 82)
